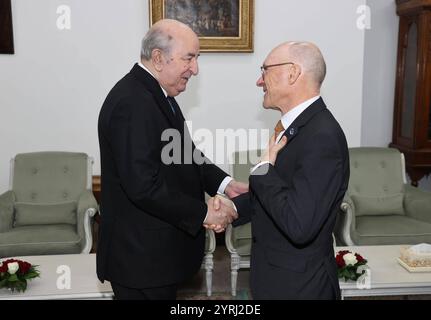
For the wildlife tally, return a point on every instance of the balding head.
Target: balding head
(162, 35)
(308, 56)
(292, 73)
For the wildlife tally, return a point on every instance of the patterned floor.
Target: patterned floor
(195, 289)
(241, 295)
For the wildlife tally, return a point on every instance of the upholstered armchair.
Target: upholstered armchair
(49, 207)
(379, 207)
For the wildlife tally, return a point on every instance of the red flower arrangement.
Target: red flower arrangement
(348, 264)
(15, 273)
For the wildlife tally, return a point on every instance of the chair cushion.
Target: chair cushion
(40, 240)
(241, 237)
(243, 247)
(375, 172)
(45, 214)
(388, 230)
(242, 231)
(49, 177)
(378, 206)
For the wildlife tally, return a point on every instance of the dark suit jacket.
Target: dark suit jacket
(293, 207)
(151, 232)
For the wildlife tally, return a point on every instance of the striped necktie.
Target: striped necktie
(172, 103)
(278, 128)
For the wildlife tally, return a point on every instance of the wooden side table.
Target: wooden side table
(97, 188)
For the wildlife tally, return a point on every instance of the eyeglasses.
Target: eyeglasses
(264, 68)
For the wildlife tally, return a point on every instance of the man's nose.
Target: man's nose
(260, 82)
(194, 67)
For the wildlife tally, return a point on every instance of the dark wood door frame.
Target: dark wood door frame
(6, 29)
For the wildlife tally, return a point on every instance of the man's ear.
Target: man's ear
(157, 59)
(295, 72)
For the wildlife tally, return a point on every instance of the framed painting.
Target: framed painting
(222, 25)
(6, 33)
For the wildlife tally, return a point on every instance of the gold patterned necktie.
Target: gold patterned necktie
(278, 128)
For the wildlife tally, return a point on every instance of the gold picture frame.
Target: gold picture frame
(222, 25)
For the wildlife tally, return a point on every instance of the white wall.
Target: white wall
(381, 44)
(52, 88)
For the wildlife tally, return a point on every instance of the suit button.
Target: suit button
(254, 239)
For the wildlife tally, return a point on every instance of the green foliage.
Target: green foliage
(350, 272)
(18, 280)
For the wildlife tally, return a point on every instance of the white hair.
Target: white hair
(156, 38)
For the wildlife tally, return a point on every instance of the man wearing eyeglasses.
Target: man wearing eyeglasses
(297, 188)
(153, 213)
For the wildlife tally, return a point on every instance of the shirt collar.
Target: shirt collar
(146, 69)
(288, 118)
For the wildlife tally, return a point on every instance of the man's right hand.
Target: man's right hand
(221, 212)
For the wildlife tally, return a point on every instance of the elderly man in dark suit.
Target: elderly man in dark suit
(153, 213)
(297, 188)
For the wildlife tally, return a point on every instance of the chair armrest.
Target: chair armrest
(346, 220)
(7, 200)
(211, 241)
(417, 203)
(228, 239)
(87, 208)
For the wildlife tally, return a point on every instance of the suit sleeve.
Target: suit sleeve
(244, 208)
(135, 142)
(301, 209)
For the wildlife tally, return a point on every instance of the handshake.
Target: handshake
(221, 211)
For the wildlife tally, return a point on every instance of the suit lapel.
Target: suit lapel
(177, 120)
(153, 86)
(179, 117)
(303, 118)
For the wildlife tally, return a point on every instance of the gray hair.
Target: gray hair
(156, 38)
(311, 59)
